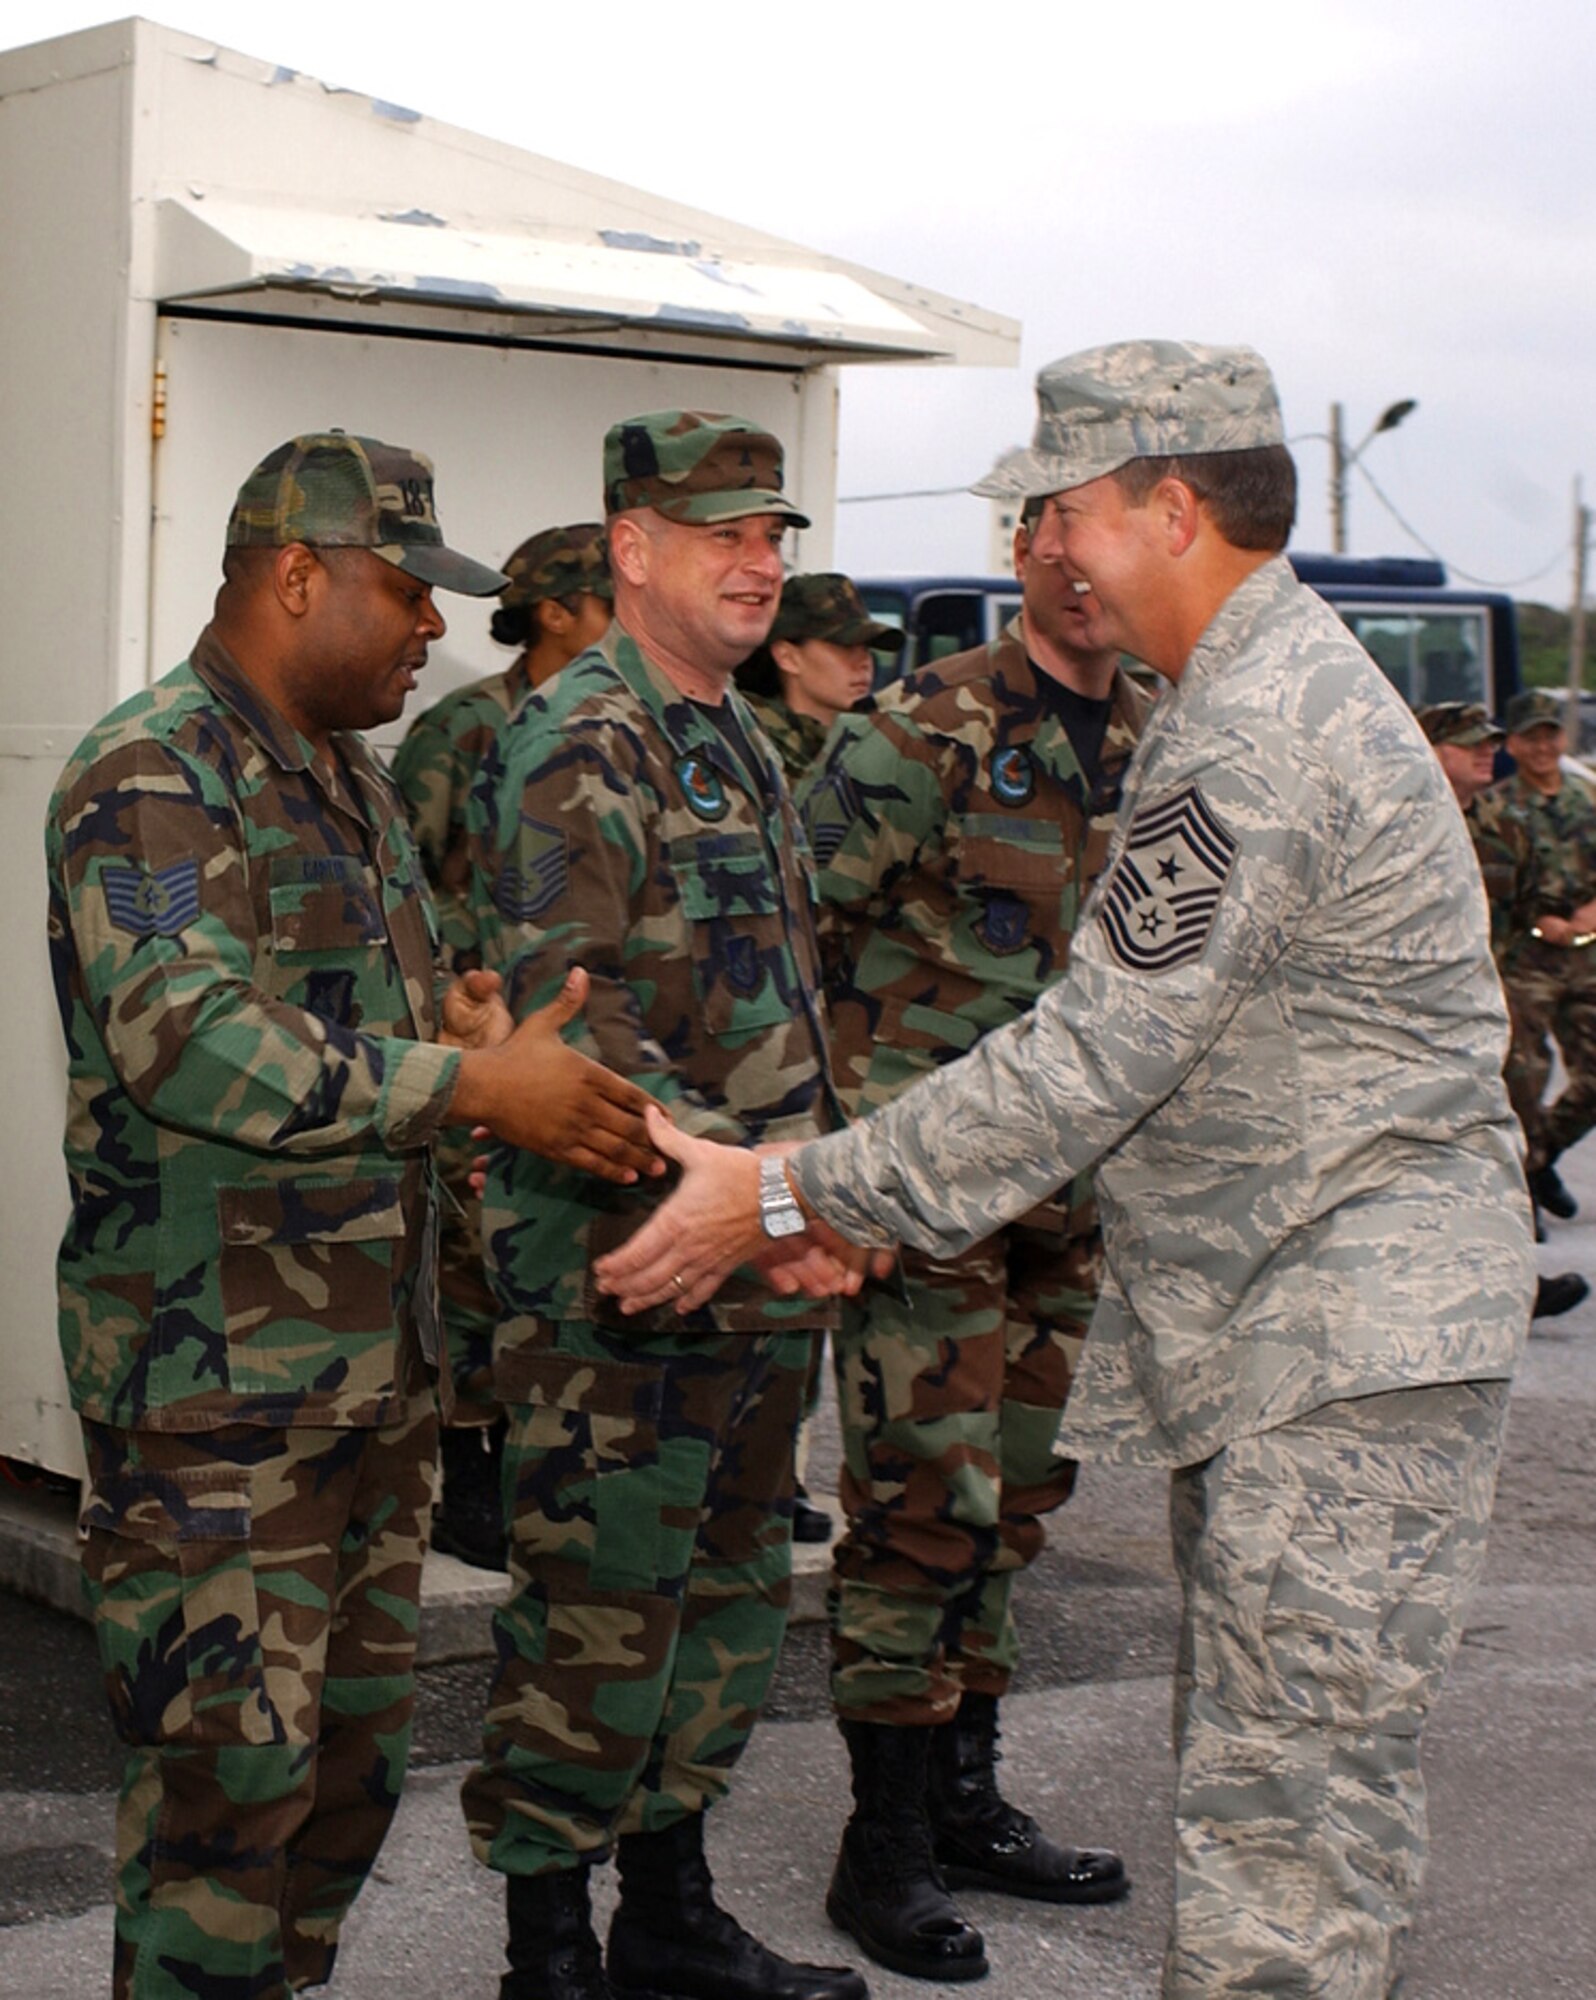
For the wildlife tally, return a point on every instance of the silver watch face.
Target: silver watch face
(786, 1220)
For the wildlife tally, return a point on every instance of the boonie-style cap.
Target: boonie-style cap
(560, 562)
(827, 605)
(330, 490)
(1463, 722)
(692, 465)
(1528, 710)
(1099, 409)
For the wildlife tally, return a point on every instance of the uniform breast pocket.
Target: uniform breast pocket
(308, 1282)
(1016, 880)
(742, 961)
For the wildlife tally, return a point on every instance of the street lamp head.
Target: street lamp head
(1392, 416)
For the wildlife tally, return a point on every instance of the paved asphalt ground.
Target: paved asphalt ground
(1509, 1911)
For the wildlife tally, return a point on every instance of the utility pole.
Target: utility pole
(1338, 484)
(1342, 462)
(1576, 619)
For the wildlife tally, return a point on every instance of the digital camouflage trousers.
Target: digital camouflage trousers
(254, 1594)
(1326, 1566)
(949, 1397)
(649, 1492)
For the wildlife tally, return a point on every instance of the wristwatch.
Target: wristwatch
(779, 1213)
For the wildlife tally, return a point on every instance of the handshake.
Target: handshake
(713, 1223)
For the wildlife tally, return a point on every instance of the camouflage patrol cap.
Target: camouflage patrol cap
(692, 465)
(1138, 399)
(333, 491)
(1462, 722)
(560, 562)
(1531, 709)
(828, 606)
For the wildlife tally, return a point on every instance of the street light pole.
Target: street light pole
(1342, 462)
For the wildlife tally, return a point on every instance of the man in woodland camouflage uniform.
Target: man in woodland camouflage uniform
(632, 820)
(1465, 742)
(1279, 1042)
(956, 833)
(243, 946)
(555, 605)
(1550, 974)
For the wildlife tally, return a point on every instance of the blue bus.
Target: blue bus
(1432, 641)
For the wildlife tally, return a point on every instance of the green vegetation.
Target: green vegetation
(1543, 646)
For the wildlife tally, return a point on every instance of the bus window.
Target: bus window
(1439, 655)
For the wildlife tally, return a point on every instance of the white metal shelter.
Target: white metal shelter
(203, 255)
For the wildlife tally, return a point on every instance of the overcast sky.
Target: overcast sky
(1388, 200)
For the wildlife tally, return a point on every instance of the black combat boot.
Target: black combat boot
(552, 1951)
(670, 1939)
(468, 1521)
(982, 1842)
(1556, 1296)
(1549, 1190)
(886, 1892)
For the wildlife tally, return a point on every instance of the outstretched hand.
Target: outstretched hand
(710, 1225)
(533, 1090)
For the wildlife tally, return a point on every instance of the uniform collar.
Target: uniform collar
(1231, 629)
(681, 721)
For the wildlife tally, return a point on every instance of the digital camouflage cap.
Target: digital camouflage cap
(330, 490)
(1532, 709)
(1099, 409)
(559, 562)
(828, 606)
(1462, 722)
(692, 465)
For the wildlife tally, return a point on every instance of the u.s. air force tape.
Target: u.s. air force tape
(1161, 899)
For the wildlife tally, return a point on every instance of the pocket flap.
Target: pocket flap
(310, 1211)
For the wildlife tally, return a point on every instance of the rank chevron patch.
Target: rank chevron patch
(1159, 905)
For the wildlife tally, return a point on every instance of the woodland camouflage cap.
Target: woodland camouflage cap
(1099, 409)
(827, 605)
(692, 465)
(560, 562)
(330, 490)
(1463, 722)
(1531, 709)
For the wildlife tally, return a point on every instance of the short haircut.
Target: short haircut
(759, 674)
(1031, 512)
(1251, 495)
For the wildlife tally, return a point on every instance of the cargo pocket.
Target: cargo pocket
(1015, 878)
(167, 1569)
(595, 1486)
(307, 1279)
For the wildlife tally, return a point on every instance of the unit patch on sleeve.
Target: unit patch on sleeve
(1160, 901)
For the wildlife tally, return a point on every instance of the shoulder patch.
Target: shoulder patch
(1160, 902)
(152, 902)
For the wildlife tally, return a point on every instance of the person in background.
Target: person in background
(817, 664)
(1465, 742)
(1550, 974)
(957, 832)
(556, 603)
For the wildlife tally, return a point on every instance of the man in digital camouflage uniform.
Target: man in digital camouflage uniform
(1280, 1043)
(1551, 974)
(631, 820)
(1465, 742)
(818, 663)
(956, 833)
(555, 605)
(242, 945)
